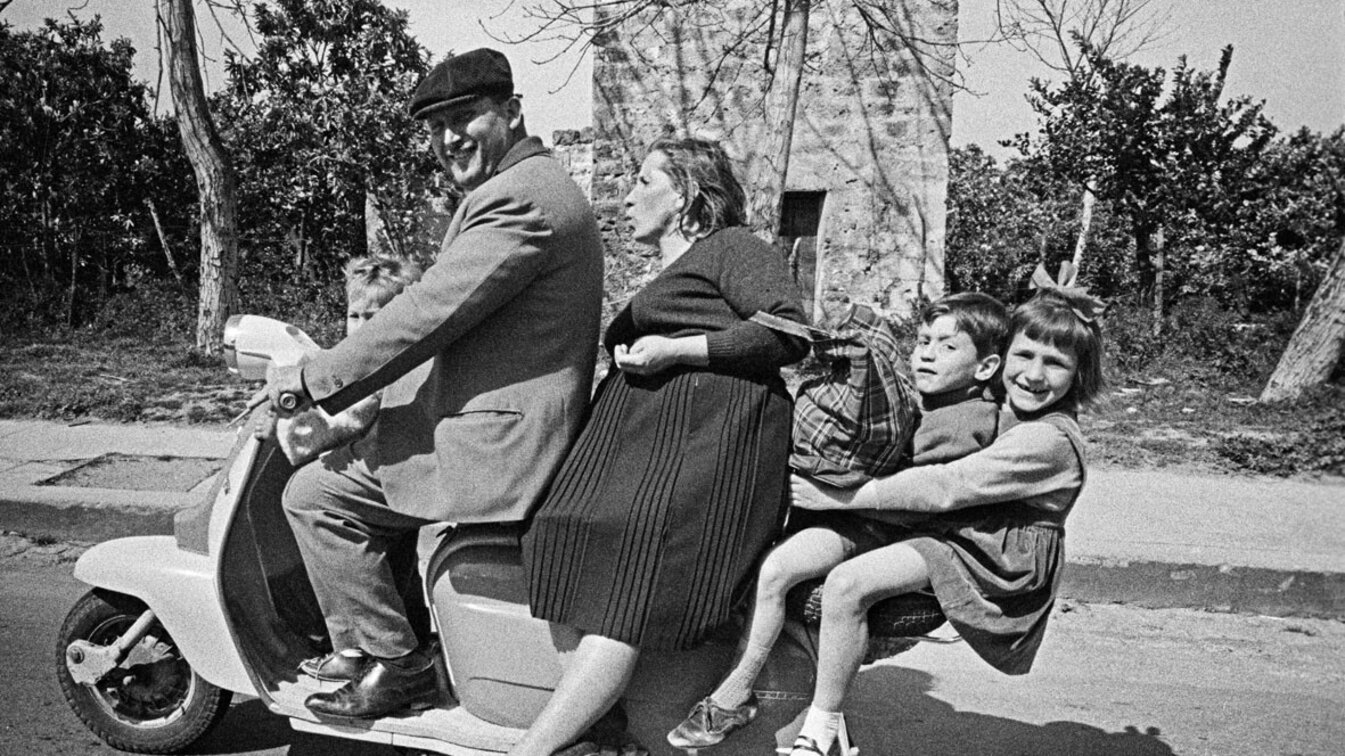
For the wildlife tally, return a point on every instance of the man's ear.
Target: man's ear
(987, 367)
(513, 111)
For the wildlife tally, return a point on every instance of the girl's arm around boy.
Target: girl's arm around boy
(1032, 461)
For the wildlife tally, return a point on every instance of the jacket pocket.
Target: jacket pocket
(483, 457)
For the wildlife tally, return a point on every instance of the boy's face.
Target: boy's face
(945, 359)
(361, 306)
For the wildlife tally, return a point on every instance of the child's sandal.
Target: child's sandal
(842, 745)
(805, 747)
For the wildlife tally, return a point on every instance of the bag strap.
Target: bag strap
(791, 327)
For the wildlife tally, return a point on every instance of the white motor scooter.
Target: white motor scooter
(174, 625)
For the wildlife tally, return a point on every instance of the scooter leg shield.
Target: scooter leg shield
(180, 587)
(503, 663)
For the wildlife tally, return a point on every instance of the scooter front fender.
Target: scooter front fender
(180, 587)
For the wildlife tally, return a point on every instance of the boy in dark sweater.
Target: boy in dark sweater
(954, 362)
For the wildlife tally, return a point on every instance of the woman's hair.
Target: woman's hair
(1053, 317)
(385, 274)
(982, 317)
(703, 173)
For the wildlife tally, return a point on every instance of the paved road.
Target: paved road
(35, 594)
(1112, 680)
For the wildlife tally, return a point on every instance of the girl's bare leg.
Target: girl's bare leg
(851, 589)
(810, 553)
(594, 680)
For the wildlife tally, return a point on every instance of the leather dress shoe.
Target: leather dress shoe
(381, 689)
(338, 666)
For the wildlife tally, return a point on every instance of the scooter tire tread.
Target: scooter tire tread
(202, 713)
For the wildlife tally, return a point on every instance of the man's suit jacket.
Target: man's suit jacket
(507, 318)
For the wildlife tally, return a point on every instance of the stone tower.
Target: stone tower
(863, 213)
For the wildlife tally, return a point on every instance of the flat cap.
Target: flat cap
(462, 77)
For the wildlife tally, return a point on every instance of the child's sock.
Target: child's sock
(737, 687)
(821, 726)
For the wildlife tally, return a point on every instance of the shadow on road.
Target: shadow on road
(895, 714)
(249, 727)
(895, 705)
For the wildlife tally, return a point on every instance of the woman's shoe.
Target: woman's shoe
(709, 723)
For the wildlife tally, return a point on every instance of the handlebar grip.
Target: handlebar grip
(288, 401)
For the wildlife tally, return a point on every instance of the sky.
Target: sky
(1289, 53)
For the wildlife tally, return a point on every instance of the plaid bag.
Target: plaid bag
(855, 422)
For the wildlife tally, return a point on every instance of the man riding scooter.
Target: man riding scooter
(507, 318)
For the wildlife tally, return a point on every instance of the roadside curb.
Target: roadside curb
(1151, 538)
(91, 515)
(1216, 588)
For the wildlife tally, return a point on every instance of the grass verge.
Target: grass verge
(121, 379)
(1177, 420)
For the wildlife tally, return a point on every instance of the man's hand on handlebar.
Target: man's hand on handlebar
(285, 394)
(285, 389)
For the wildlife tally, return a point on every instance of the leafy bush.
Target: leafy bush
(1200, 341)
(155, 308)
(316, 308)
(1318, 448)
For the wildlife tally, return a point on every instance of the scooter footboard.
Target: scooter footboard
(179, 586)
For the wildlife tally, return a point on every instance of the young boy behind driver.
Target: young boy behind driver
(371, 282)
(955, 359)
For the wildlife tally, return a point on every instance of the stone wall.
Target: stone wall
(871, 132)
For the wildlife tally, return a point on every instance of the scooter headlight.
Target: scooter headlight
(231, 328)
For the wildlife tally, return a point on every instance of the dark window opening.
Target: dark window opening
(800, 218)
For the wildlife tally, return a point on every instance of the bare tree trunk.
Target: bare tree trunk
(1314, 349)
(771, 168)
(163, 241)
(375, 232)
(28, 273)
(1149, 269)
(1085, 221)
(215, 182)
(70, 292)
(1160, 264)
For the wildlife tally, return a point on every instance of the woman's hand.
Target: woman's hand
(806, 493)
(653, 354)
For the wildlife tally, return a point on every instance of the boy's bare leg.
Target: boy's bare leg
(594, 680)
(810, 553)
(851, 589)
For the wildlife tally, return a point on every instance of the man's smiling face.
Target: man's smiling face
(471, 138)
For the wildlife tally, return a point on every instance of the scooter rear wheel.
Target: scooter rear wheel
(155, 706)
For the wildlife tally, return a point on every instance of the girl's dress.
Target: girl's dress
(996, 549)
(676, 484)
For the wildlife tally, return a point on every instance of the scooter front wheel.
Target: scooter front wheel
(153, 702)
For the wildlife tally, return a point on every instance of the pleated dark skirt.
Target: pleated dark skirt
(656, 520)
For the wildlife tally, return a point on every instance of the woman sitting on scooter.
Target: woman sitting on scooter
(674, 487)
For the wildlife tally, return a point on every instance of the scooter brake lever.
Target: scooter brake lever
(253, 404)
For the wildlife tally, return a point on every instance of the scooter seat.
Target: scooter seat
(904, 616)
